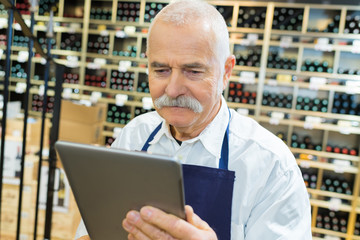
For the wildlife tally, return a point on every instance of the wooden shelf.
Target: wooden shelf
(320, 126)
(327, 205)
(327, 166)
(329, 232)
(330, 194)
(326, 154)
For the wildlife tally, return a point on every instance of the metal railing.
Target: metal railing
(33, 43)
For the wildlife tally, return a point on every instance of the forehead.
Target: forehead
(196, 39)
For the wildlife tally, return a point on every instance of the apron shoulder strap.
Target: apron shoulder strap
(151, 137)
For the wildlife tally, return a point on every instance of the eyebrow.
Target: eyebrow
(158, 65)
(187, 65)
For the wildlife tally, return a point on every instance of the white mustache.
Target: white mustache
(181, 101)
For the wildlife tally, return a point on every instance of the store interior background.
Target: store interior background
(297, 73)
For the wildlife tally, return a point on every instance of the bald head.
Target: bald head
(182, 13)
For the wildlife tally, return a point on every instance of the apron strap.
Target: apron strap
(224, 159)
(151, 137)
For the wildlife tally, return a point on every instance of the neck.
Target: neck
(186, 133)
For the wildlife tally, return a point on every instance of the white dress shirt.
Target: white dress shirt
(270, 200)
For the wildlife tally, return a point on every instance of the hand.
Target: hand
(152, 223)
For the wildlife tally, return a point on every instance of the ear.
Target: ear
(229, 65)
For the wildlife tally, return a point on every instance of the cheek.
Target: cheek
(156, 88)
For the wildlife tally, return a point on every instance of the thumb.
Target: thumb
(194, 219)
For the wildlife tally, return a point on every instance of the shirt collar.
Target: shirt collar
(211, 137)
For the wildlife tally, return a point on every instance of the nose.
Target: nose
(176, 84)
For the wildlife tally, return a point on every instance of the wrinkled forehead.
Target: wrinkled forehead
(169, 34)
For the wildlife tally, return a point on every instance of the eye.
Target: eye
(162, 70)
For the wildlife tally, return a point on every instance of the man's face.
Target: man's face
(182, 63)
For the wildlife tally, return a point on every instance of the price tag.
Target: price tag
(116, 132)
(67, 93)
(315, 120)
(104, 33)
(72, 61)
(147, 71)
(17, 26)
(73, 27)
(276, 117)
(323, 45)
(95, 96)
(305, 164)
(43, 61)
(345, 127)
(341, 165)
(243, 111)
(120, 34)
(317, 82)
(41, 90)
(129, 30)
(1, 53)
(121, 99)
(284, 78)
(23, 56)
(27, 22)
(92, 65)
(250, 40)
(352, 87)
(124, 66)
(272, 82)
(247, 77)
(356, 47)
(252, 37)
(308, 125)
(286, 41)
(147, 103)
(310, 121)
(335, 204)
(98, 62)
(20, 87)
(3, 23)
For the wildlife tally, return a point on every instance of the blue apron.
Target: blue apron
(209, 190)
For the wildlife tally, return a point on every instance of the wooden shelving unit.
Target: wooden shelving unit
(303, 43)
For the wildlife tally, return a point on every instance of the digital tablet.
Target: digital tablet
(109, 182)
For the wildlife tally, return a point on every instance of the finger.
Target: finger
(194, 219)
(174, 226)
(130, 224)
(140, 229)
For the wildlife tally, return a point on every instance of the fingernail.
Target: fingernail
(127, 226)
(133, 216)
(146, 212)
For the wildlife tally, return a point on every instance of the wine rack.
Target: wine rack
(303, 57)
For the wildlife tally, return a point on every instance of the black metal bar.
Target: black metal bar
(50, 190)
(54, 135)
(6, 97)
(26, 114)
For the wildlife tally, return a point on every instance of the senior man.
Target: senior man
(241, 181)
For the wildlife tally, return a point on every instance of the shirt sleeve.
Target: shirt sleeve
(283, 209)
(81, 230)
